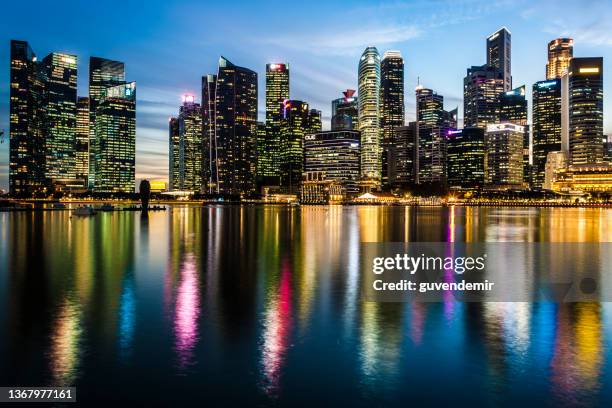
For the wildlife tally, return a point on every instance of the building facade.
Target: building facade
(369, 115)
(586, 111)
(560, 52)
(82, 140)
(115, 130)
(277, 92)
(232, 145)
(481, 89)
(392, 113)
(504, 156)
(186, 147)
(345, 112)
(336, 155)
(103, 73)
(403, 157)
(466, 158)
(499, 55)
(546, 121)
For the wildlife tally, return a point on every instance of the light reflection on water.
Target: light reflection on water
(267, 299)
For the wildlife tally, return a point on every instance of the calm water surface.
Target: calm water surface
(229, 305)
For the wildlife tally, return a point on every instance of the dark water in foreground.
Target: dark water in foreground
(261, 306)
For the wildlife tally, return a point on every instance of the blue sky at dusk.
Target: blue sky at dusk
(168, 45)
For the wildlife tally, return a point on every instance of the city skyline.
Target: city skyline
(321, 66)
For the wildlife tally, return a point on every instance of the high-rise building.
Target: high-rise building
(391, 104)
(465, 158)
(403, 156)
(277, 91)
(59, 72)
(209, 139)
(554, 161)
(560, 52)
(82, 139)
(504, 156)
(433, 123)
(481, 89)
(115, 129)
(103, 73)
(174, 156)
(499, 55)
(546, 120)
(369, 114)
(233, 147)
(335, 154)
(513, 109)
(297, 121)
(586, 111)
(345, 112)
(27, 143)
(186, 149)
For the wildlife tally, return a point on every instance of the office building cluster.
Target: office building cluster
(60, 141)
(218, 147)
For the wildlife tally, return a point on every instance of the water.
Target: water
(260, 305)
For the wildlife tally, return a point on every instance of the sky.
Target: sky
(168, 45)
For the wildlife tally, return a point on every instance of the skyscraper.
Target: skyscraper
(369, 114)
(277, 91)
(391, 103)
(26, 150)
(560, 52)
(295, 125)
(345, 112)
(59, 72)
(115, 130)
(186, 149)
(504, 156)
(481, 89)
(466, 157)
(209, 139)
(336, 155)
(403, 156)
(499, 55)
(546, 125)
(586, 111)
(513, 109)
(174, 156)
(103, 73)
(82, 140)
(432, 127)
(233, 145)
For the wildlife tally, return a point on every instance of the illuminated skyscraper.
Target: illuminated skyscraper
(560, 52)
(481, 89)
(336, 155)
(391, 103)
(209, 147)
(513, 109)
(546, 125)
(103, 73)
(403, 156)
(586, 111)
(297, 121)
(59, 72)
(345, 112)
(233, 145)
(504, 156)
(499, 55)
(369, 114)
(174, 147)
(115, 140)
(26, 150)
(465, 158)
(82, 139)
(277, 91)
(186, 149)
(433, 123)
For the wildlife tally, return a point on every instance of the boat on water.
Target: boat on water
(107, 207)
(84, 211)
(59, 206)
